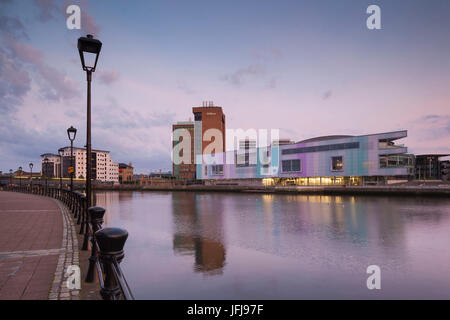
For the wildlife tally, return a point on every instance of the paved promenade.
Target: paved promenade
(37, 242)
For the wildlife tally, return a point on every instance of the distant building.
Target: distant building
(208, 120)
(125, 172)
(161, 179)
(53, 167)
(23, 174)
(445, 170)
(428, 167)
(330, 160)
(180, 169)
(103, 168)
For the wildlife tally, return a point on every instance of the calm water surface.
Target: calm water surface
(254, 246)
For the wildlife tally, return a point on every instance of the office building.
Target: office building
(329, 160)
(103, 168)
(429, 167)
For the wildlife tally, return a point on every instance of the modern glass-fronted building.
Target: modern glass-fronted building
(329, 160)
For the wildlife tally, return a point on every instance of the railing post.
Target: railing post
(95, 215)
(76, 203)
(110, 242)
(80, 209)
(81, 217)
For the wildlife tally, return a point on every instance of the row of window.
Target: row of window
(328, 147)
(295, 165)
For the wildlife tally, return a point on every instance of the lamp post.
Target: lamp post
(88, 47)
(20, 179)
(61, 152)
(46, 162)
(72, 133)
(31, 176)
(10, 176)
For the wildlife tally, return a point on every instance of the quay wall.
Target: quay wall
(441, 191)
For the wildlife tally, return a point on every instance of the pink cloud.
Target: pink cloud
(54, 85)
(47, 8)
(25, 52)
(108, 77)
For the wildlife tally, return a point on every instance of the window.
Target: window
(395, 160)
(246, 158)
(217, 169)
(197, 116)
(291, 165)
(337, 163)
(328, 147)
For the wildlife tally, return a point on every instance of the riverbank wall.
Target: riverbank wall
(437, 191)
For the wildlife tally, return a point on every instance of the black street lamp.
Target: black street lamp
(61, 152)
(31, 175)
(72, 133)
(46, 162)
(87, 47)
(10, 176)
(20, 179)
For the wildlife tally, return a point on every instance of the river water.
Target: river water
(186, 245)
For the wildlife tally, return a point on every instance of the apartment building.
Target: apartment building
(103, 167)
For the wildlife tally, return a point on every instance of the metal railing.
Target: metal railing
(106, 244)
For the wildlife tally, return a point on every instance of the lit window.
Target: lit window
(337, 163)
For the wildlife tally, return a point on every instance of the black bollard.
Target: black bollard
(110, 242)
(95, 215)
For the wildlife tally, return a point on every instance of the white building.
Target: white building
(53, 168)
(104, 169)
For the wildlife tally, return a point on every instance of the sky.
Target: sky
(307, 68)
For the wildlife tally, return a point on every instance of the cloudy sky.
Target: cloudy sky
(308, 68)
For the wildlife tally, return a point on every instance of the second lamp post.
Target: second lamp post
(31, 176)
(20, 175)
(72, 133)
(61, 153)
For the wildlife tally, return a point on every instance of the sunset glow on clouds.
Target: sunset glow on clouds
(309, 68)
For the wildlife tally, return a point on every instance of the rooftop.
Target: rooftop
(335, 137)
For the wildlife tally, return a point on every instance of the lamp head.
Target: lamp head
(72, 133)
(89, 50)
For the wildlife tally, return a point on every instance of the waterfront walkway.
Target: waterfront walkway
(37, 242)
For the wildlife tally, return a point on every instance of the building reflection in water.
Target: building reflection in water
(117, 204)
(198, 231)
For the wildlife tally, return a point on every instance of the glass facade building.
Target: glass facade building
(330, 160)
